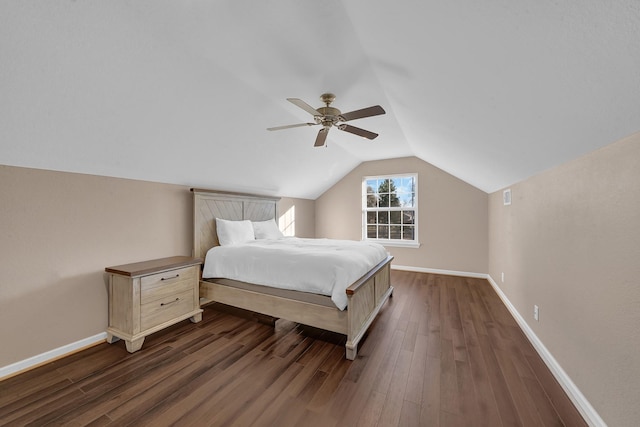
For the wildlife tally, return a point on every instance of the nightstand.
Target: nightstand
(145, 297)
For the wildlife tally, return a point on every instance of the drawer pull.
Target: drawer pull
(169, 278)
(170, 302)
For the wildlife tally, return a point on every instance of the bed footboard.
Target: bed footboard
(366, 298)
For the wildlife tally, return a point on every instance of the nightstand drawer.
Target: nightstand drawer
(163, 310)
(158, 286)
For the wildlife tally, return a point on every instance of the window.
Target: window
(390, 209)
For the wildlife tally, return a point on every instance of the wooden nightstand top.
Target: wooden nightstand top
(153, 266)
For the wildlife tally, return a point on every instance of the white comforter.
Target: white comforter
(321, 266)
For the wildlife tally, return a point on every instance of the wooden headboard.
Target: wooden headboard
(209, 205)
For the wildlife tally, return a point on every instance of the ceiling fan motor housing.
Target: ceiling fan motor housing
(329, 116)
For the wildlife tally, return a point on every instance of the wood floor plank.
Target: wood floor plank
(121, 388)
(28, 386)
(392, 408)
(430, 410)
(467, 393)
(253, 410)
(386, 368)
(503, 399)
(449, 397)
(444, 351)
(415, 382)
(487, 409)
(546, 412)
(39, 408)
(33, 397)
(328, 388)
(372, 411)
(410, 415)
(527, 412)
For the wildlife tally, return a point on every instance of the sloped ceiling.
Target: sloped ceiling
(183, 91)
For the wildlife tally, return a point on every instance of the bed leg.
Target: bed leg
(352, 352)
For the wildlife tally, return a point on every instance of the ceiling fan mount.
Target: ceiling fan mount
(327, 98)
(329, 116)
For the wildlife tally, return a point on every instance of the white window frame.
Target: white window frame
(390, 242)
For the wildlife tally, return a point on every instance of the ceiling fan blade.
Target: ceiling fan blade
(292, 126)
(357, 131)
(376, 110)
(322, 137)
(306, 107)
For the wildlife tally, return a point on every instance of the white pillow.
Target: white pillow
(234, 232)
(266, 230)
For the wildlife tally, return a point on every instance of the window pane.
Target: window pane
(394, 184)
(408, 217)
(404, 199)
(383, 200)
(371, 218)
(383, 217)
(395, 232)
(371, 232)
(372, 200)
(395, 217)
(372, 186)
(383, 232)
(406, 192)
(411, 184)
(383, 190)
(407, 200)
(408, 232)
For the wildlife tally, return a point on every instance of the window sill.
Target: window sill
(395, 243)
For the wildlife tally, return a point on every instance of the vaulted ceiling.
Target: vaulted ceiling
(183, 91)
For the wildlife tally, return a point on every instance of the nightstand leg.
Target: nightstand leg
(196, 318)
(135, 345)
(112, 338)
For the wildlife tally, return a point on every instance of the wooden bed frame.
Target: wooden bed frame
(365, 297)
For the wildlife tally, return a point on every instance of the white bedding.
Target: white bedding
(321, 266)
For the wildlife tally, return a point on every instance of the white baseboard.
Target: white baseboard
(49, 356)
(582, 404)
(438, 271)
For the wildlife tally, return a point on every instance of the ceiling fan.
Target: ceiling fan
(328, 116)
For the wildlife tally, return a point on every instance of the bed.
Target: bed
(365, 296)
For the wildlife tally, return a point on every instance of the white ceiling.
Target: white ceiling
(183, 91)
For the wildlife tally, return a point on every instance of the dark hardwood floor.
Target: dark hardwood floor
(444, 351)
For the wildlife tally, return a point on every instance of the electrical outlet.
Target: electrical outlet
(536, 313)
(503, 277)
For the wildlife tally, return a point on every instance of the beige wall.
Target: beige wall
(570, 243)
(300, 214)
(452, 216)
(58, 231)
